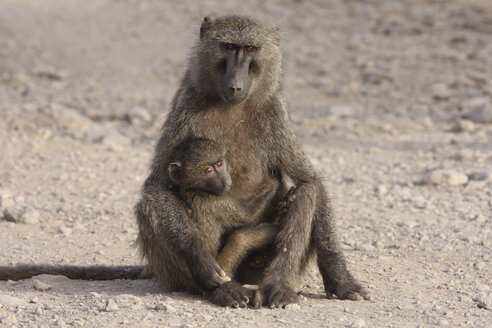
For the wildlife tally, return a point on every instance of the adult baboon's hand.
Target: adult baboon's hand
(203, 267)
(231, 294)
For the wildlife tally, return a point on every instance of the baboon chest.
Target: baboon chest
(252, 184)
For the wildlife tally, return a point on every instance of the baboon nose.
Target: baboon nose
(235, 89)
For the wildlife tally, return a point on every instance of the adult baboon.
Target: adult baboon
(230, 94)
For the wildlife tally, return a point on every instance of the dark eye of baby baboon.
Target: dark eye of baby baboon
(230, 46)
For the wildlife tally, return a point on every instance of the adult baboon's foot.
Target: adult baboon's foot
(349, 291)
(278, 295)
(339, 281)
(230, 294)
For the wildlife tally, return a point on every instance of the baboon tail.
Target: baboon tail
(93, 272)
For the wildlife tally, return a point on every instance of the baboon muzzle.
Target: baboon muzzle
(236, 80)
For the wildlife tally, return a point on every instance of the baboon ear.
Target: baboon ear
(206, 24)
(174, 170)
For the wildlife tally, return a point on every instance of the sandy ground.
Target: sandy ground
(390, 99)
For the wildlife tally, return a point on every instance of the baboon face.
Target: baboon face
(236, 78)
(201, 166)
(236, 57)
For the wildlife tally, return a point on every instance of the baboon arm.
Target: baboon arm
(241, 242)
(291, 160)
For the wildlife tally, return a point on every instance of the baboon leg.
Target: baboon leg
(292, 247)
(177, 256)
(331, 262)
(241, 242)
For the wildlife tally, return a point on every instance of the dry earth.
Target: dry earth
(392, 101)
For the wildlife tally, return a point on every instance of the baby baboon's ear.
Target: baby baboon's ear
(207, 23)
(175, 173)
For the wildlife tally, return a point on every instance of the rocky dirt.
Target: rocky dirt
(392, 101)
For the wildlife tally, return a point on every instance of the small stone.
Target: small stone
(65, 230)
(115, 141)
(293, 306)
(441, 91)
(30, 216)
(34, 300)
(70, 119)
(480, 114)
(8, 319)
(381, 189)
(359, 323)
(483, 300)
(39, 310)
(13, 213)
(41, 286)
(111, 306)
(50, 73)
(463, 126)
(161, 306)
(444, 177)
(443, 322)
(95, 295)
(480, 176)
(11, 301)
(60, 323)
(139, 115)
(365, 247)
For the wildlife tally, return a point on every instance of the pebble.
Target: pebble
(483, 300)
(444, 177)
(41, 286)
(8, 319)
(50, 73)
(293, 306)
(30, 216)
(161, 306)
(440, 91)
(21, 214)
(463, 126)
(65, 230)
(481, 114)
(115, 141)
(70, 119)
(443, 322)
(365, 247)
(480, 176)
(11, 301)
(139, 115)
(359, 323)
(111, 306)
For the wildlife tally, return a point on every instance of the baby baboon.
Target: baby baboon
(230, 94)
(198, 169)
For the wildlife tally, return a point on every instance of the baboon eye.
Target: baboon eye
(208, 170)
(230, 46)
(218, 164)
(250, 48)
